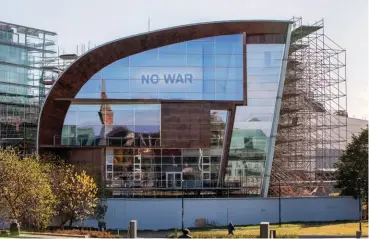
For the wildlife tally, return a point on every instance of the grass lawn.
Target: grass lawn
(288, 230)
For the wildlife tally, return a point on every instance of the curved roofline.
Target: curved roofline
(86, 65)
(175, 27)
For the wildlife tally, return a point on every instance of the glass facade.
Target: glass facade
(23, 51)
(253, 123)
(168, 168)
(113, 125)
(14, 75)
(204, 69)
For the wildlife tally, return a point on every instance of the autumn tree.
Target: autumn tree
(352, 168)
(25, 189)
(76, 194)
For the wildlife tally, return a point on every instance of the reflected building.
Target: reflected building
(193, 108)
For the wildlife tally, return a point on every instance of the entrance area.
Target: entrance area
(174, 180)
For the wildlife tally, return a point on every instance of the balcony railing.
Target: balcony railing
(137, 141)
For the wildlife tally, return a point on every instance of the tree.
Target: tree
(352, 168)
(76, 193)
(102, 206)
(25, 190)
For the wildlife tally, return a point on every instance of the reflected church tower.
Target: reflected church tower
(106, 114)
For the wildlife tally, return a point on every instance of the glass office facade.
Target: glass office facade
(203, 69)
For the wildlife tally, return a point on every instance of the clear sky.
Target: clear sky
(99, 21)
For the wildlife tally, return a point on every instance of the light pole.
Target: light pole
(359, 198)
(182, 206)
(279, 201)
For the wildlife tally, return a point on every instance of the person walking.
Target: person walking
(230, 229)
(186, 234)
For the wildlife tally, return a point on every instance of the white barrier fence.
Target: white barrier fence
(154, 214)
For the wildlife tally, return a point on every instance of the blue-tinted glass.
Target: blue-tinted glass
(208, 96)
(115, 73)
(178, 71)
(70, 118)
(179, 48)
(261, 102)
(125, 117)
(195, 60)
(229, 38)
(119, 95)
(229, 61)
(91, 86)
(115, 86)
(257, 71)
(82, 95)
(262, 78)
(200, 48)
(209, 60)
(88, 127)
(234, 73)
(147, 117)
(144, 59)
(209, 86)
(253, 123)
(97, 76)
(261, 94)
(206, 39)
(209, 74)
(255, 85)
(144, 95)
(119, 63)
(173, 96)
(229, 86)
(228, 48)
(194, 96)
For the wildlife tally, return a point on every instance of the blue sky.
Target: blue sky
(97, 21)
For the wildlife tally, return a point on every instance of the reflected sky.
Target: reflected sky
(220, 80)
(204, 69)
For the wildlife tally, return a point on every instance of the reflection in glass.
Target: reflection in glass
(177, 71)
(113, 125)
(253, 123)
(163, 168)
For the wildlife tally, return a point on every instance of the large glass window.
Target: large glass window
(203, 69)
(161, 168)
(253, 123)
(112, 125)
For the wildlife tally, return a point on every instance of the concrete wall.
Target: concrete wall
(166, 213)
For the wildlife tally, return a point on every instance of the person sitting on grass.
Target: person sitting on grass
(230, 229)
(186, 234)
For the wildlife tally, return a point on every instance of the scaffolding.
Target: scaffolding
(23, 51)
(312, 127)
(29, 65)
